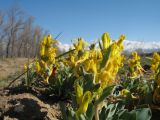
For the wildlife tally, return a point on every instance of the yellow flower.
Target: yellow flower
(155, 62)
(70, 61)
(124, 92)
(84, 102)
(38, 67)
(79, 93)
(90, 65)
(108, 74)
(135, 56)
(135, 65)
(156, 57)
(42, 64)
(51, 55)
(49, 40)
(117, 46)
(106, 40)
(25, 67)
(105, 78)
(79, 45)
(83, 57)
(45, 46)
(109, 66)
(121, 39)
(82, 99)
(42, 49)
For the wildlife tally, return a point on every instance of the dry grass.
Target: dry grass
(10, 68)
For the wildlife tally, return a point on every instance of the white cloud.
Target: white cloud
(63, 47)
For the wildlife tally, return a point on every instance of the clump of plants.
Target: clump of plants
(88, 77)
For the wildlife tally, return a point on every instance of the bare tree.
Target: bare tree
(25, 37)
(1, 33)
(18, 33)
(15, 23)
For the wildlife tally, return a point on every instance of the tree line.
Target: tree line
(19, 36)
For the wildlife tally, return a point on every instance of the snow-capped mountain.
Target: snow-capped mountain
(141, 47)
(129, 46)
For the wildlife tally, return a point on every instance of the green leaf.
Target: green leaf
(90, 112)
(117, 112)
(111, 110)
(107, 91)
(103, 114)
(137, 114)
(82, 117)
(95, 88)
(143, 114)
(88, 81)
(128, 116)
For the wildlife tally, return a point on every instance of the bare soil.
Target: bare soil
(26, 106)
(18, 103)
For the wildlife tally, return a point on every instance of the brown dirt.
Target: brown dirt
(19, 103)
(26, 106)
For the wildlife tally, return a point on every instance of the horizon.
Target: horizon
(138, 20)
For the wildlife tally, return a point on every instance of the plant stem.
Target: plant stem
(96, 112)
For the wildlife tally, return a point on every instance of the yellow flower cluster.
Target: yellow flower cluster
(155, 67)
(75, 58)
(107, 75)
(135, 65)
(92, 58)
(155, 62)
(44, 66)
(47, 52)
(91, 64)
(80, 45)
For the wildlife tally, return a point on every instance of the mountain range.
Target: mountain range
(129, 46)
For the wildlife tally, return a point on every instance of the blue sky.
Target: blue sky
(139, 20)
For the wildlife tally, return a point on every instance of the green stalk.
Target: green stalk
(64, 53)
(96, 110)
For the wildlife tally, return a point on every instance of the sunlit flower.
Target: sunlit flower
(155, 62)
(85, 101)
(38, 67)
(79, 46)
(79, 93)
(51, 55)
(106, 40)
(124, 92)
(135, 66)
(42, 50)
